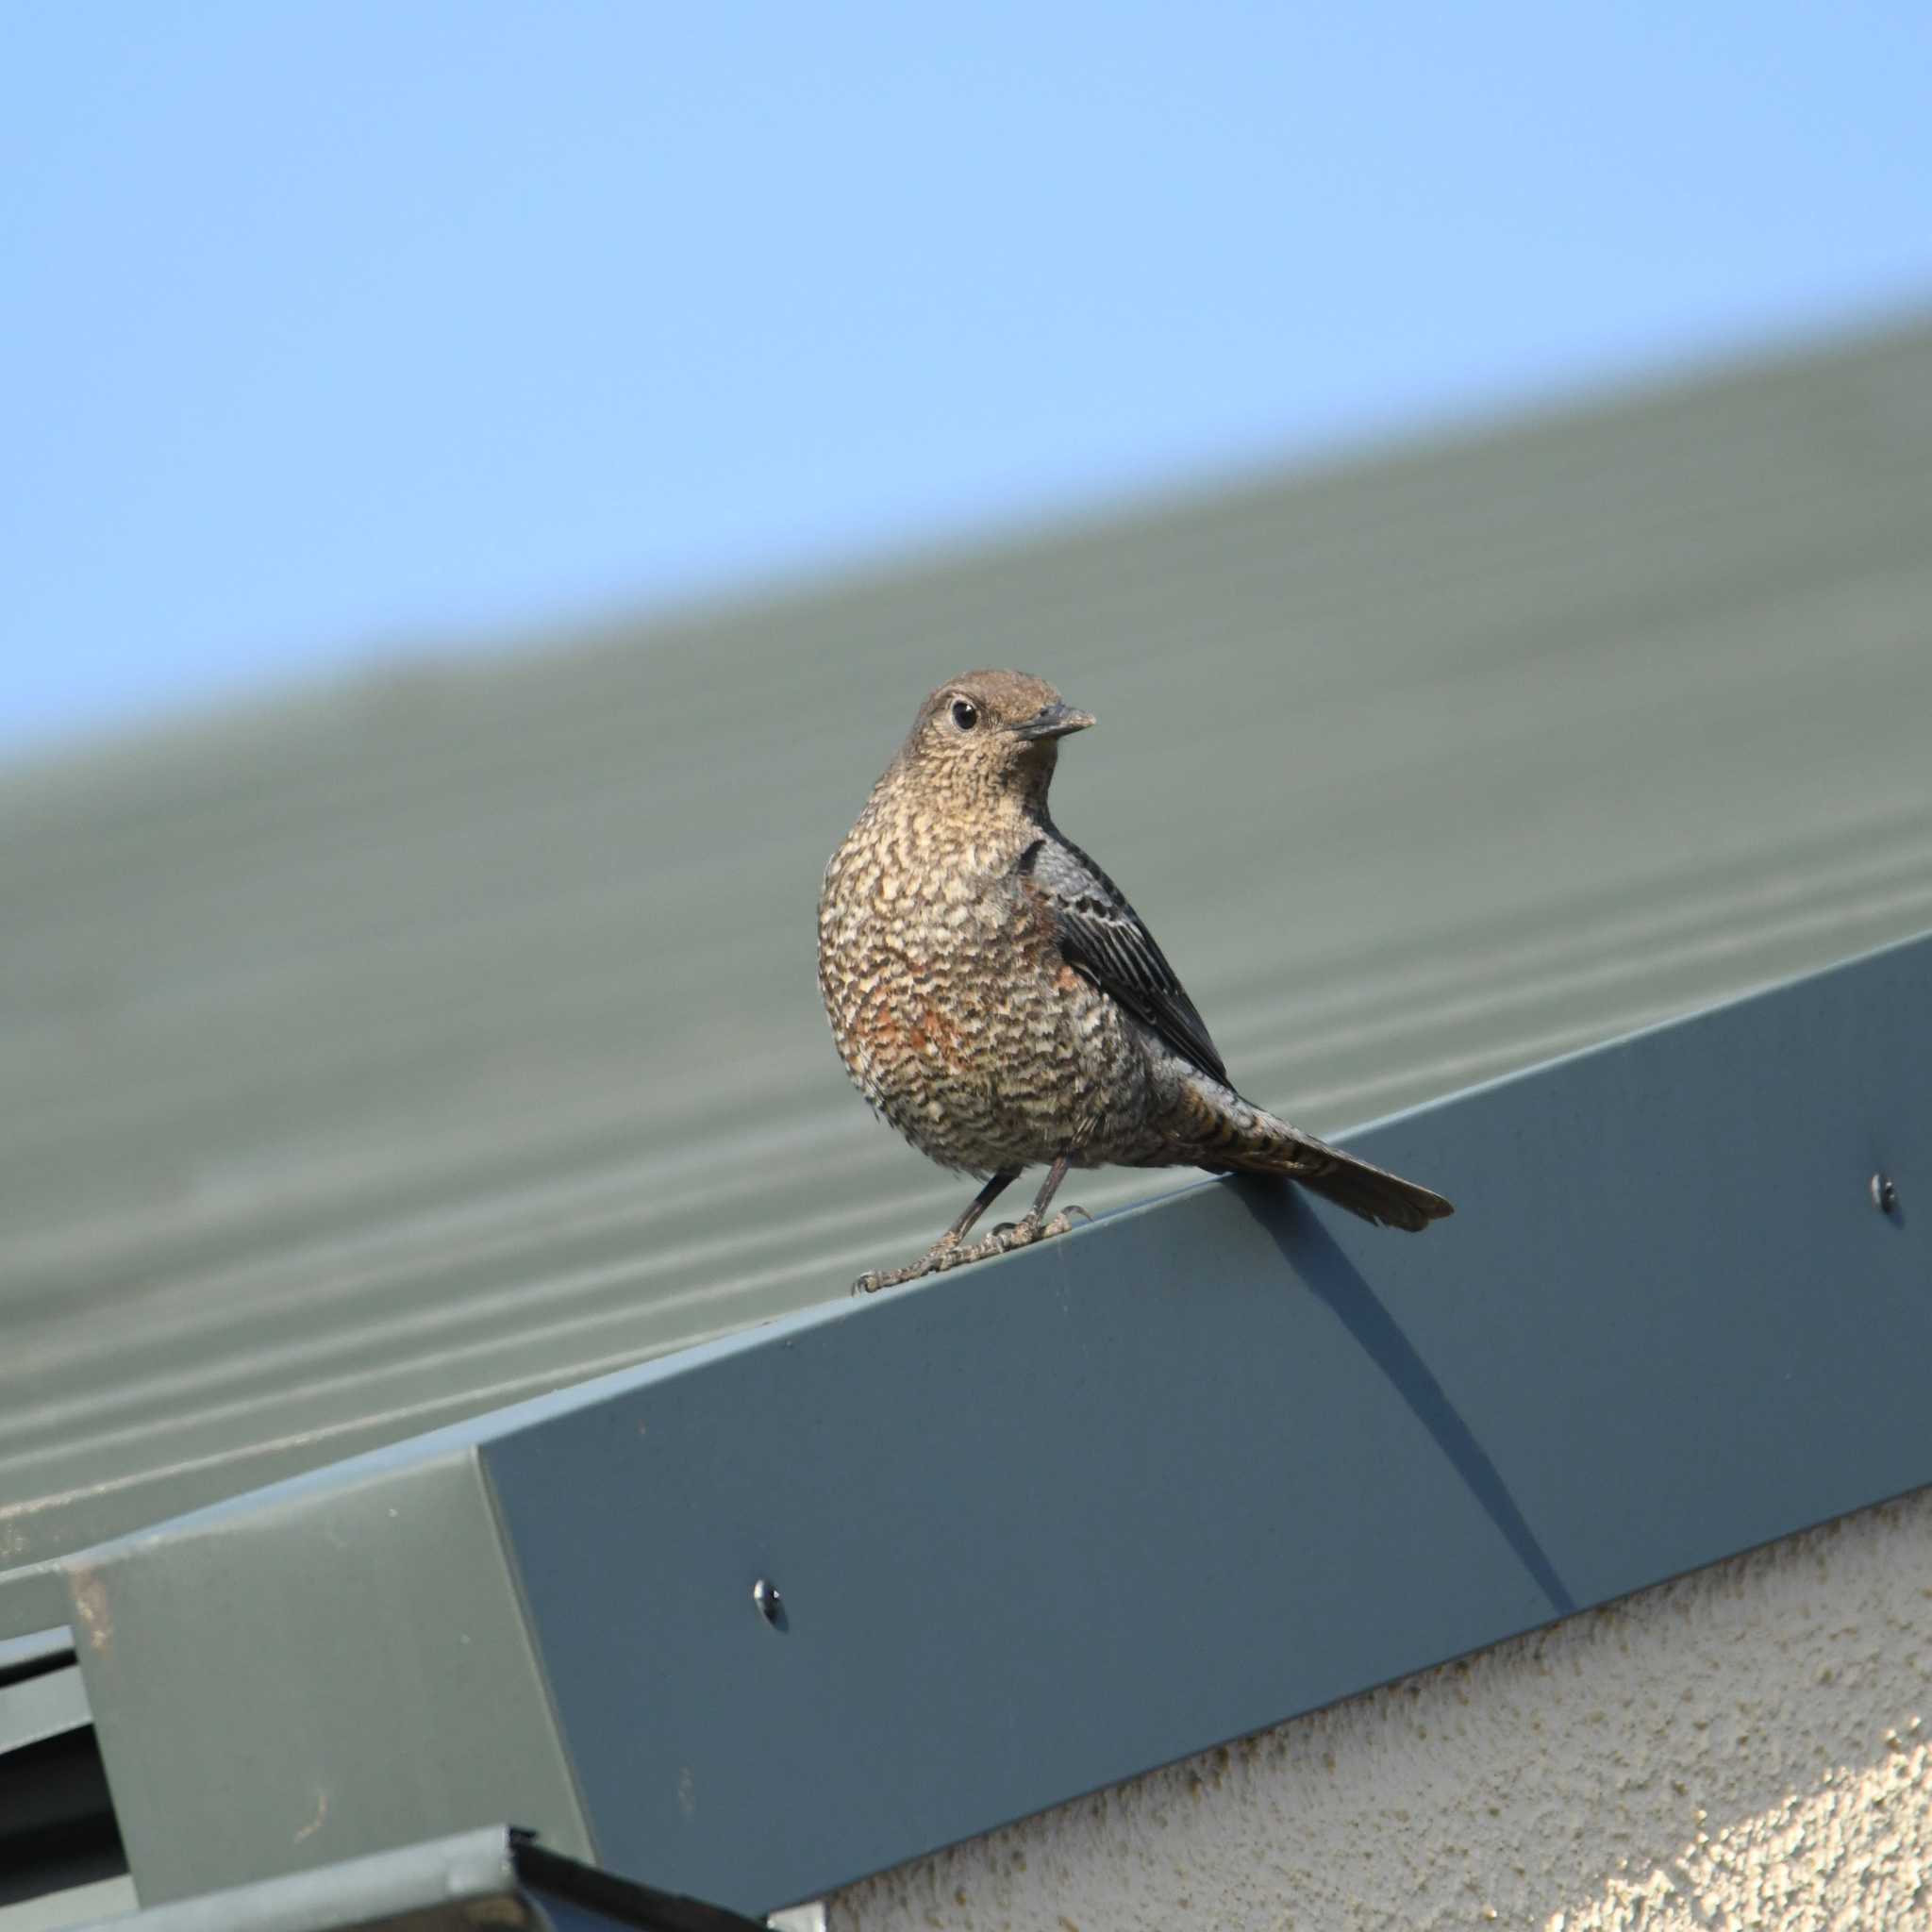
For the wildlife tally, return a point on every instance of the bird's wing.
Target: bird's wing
(1103, 938)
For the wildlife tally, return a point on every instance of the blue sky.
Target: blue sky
(341, 331)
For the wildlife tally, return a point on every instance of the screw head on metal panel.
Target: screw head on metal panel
(764, 1593)
(1884, 1194)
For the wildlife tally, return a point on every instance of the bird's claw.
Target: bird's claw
(1034, 1230)
(943, 1254)
(875, 1279)
(1010, 1235)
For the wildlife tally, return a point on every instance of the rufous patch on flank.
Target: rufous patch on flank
(930, 1035)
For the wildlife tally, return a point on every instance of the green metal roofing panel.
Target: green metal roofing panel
(389, 1055)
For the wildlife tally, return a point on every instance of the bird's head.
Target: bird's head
(992, 731)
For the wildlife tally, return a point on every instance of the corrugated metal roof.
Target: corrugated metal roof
(386, 1055)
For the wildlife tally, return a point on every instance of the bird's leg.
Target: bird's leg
(945, 1251)
(1036, 1227)
(974, 1209)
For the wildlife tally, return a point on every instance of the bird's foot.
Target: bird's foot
(951, 1252)
(1062, 1223)
(943, 1253)
(1023, 1234)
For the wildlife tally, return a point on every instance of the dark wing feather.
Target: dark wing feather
(1103, 937)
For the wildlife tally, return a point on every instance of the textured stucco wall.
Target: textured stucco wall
(1741, 1747)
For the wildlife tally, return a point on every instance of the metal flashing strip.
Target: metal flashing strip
(57, 1830)
(495, 1877)
(1036, 1527)
(34, 1652)
(46, 1706)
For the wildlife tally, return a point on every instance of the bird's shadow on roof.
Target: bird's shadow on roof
(1319, 1262)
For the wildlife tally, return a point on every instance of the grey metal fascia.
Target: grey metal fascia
(1041, 1525)
(334, 1666)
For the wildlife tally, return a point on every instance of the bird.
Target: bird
(997, 1000)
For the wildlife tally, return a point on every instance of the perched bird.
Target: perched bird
(995, 997)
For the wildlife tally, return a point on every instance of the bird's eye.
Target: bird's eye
(965, 713)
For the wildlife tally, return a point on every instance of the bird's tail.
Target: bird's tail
(1363, 1189)
(1249, 1139)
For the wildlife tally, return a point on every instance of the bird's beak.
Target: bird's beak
(1056, 721)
